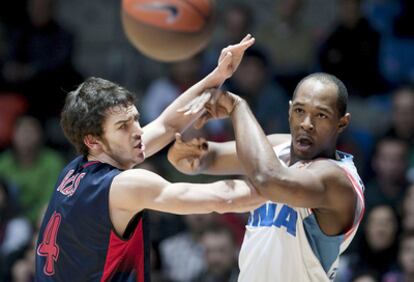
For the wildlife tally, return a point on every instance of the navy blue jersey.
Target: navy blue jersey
(77, 241)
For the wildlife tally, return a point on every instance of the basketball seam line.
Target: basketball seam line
(205, 17)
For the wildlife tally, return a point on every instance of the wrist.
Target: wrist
(237, 102)
(214, 79)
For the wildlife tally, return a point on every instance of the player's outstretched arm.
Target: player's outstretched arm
(199, 156)
(138, 189)
(161, 131)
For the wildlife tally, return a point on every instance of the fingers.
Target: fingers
(199, 143)
(245, 43)
(204, 146)
(249, 43)
(195, 105)
(246, 38)
(225, 56)
(178, 138)
(195, 163)
(226, 60)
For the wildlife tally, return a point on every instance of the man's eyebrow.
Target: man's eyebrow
(325, 109)
(295, 103)
(122, 121)
(136, 116)
(321, 108)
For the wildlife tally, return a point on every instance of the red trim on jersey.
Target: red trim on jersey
(90, 163)
(360, 195)
(125, 256)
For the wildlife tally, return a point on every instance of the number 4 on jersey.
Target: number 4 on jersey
(48, 247)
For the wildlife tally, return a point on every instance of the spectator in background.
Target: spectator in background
(351, 52)
(291, 42)
(390, 167)
(381, 14)
(405, 259)
(397, 57)
(11, 107)
(182, 255)
(407, 220)
(405, 21)
(402, 118)
(23, 270)
(220, 253)
(253, 81)
(38, 63)
(15, 231)
(31, 165)
(162, 91)
(378, 250)
(365, 276)
(237, 21)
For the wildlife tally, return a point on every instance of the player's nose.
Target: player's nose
(137, 128)
(307, 123)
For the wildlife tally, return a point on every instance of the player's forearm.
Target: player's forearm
(235, 196)
(220, 196)
(221, 160)
(222, 157)
(254, 151)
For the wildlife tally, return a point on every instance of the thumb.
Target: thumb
(195, 163)
(226, 60)
(178, 138)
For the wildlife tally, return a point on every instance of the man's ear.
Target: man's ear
(92, 142)
(343, 122)
(290, 107)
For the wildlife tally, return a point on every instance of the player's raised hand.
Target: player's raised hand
(231, 56)
(188, 157)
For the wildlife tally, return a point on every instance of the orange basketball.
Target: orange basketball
(168, 30)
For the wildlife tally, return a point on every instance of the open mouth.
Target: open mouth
(304, 142)
(139, 145)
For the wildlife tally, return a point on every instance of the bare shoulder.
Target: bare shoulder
(338, 185)
(330, 172)
(133, 188)
(336, 214)
(134, 173)
(277, 139)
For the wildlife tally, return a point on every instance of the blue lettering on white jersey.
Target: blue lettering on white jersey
(270, 215)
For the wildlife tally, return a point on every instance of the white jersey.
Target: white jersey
(285, 244)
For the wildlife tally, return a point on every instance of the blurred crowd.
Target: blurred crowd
(47, 47)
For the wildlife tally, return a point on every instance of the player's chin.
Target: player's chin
(140, 157)
(304, 153)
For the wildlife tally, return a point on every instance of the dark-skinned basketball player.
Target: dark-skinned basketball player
(314, 195)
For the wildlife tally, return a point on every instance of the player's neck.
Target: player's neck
(104, 158)
(325, 155)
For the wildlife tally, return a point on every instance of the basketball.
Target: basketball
(168, 30)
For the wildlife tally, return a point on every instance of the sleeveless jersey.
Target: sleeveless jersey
(284, 243)
(77, 241)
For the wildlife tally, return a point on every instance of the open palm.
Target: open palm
(231, 56)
